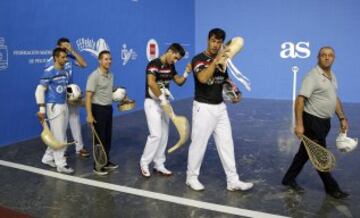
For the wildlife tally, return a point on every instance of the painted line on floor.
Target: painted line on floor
(143, 193)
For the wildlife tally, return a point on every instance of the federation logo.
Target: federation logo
(127, 54)
(152, 50)
(3, 54)
(92, 47)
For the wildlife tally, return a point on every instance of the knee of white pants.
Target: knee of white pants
(154, 138)
(73, 109)
(151, 147)
(58, 124)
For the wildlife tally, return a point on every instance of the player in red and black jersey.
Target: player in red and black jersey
(159, 73)
(210, 115)
(162, 73)
(209, 90)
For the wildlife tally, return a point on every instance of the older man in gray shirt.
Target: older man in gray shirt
(314, 106)
(99, 109)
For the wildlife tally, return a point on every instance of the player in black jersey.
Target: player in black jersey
(159, 73)
(210, 114)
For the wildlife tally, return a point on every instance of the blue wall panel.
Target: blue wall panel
(29, 30)
(266, 25)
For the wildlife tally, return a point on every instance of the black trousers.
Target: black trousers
(316, 129)
(103, 126)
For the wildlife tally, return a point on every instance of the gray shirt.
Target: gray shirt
(101, 85)
(320, 93)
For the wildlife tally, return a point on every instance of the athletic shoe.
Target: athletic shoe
(110, 166)
(163, 171)
(65, 169)
(195, 184)
(50, 163)
(83, 153)
(144, 170)
(239, 186)
(100, 172)
(338, 194)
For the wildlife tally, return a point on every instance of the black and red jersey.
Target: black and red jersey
(211, 92)
(164, 74)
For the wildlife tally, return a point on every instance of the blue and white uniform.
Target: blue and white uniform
(74, 115)
(68, 66)
(55, 82)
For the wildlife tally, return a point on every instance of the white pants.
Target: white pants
(158, 124)
(75, 126)
(208, 119)
(58, 116)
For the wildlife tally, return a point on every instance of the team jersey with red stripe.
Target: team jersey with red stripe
(164, 74)
(211, 92)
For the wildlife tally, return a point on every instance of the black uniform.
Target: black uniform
(164, 74)
(211, 92)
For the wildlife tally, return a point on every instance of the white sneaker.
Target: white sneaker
(65, 169)
(163, 171)
(50, 163)
(195, 184)
(144, 170)
(239, 186)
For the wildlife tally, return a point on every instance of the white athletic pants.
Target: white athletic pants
(58, 116)
(208, 119)
(75, 126)
(158, 124)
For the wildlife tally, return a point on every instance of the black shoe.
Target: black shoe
(338, 194)
(294, 186)
(100, 172)
(110, 166)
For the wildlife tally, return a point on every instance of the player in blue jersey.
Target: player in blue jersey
(74, 116)
(52, 91)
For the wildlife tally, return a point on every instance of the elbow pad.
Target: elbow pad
(40, 95)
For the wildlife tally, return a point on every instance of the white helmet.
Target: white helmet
(230, 91)
(119, 94)
(73, 92)
(345, 143)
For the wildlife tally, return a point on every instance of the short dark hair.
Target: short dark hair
(218, 33)
(177, 48)
(61, 40)
(326, 47)
(57, 51)
(102, 53)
